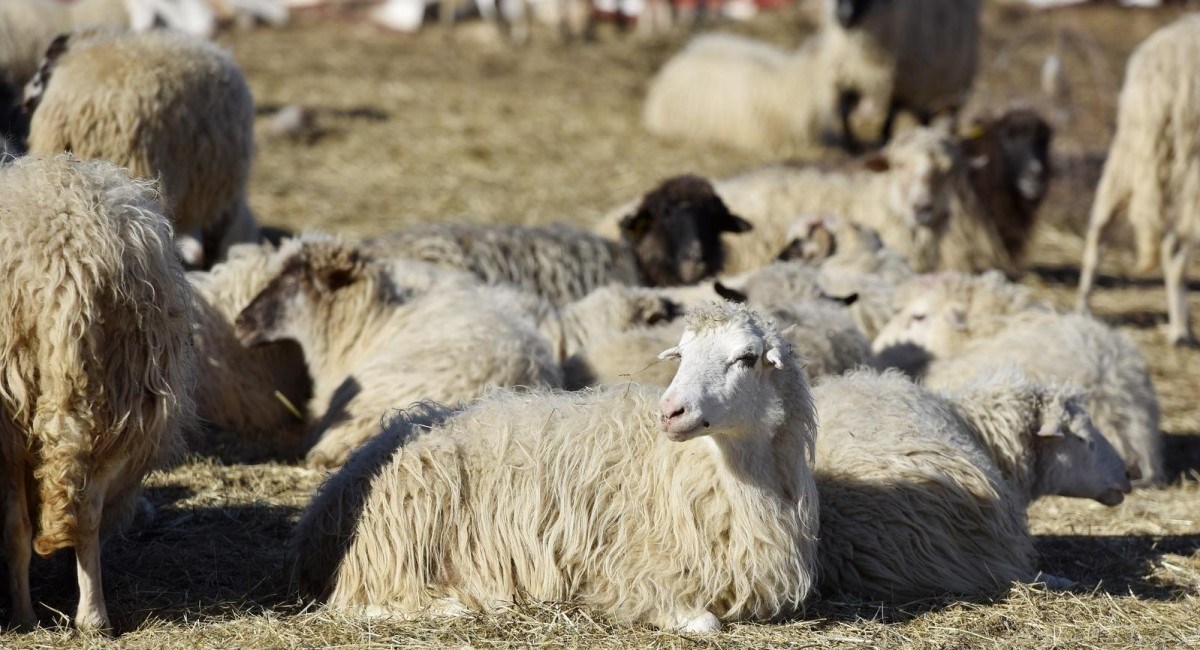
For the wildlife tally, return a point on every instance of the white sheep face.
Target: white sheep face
(1076, 460)
(722, 388)
(925, 322)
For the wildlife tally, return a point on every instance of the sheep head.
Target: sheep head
(1073, 458)
(722, 387)
(676, 232)
(306, 279)
(1015, 146)
(922, 168)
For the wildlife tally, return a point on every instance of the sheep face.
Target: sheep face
(811, 239)
(929, 323)
(721, 388)
(676, 232)
(921, 166)
(1074, 459)
(292, 297)
(1021, 140)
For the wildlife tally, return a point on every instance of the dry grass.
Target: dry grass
(413, 129)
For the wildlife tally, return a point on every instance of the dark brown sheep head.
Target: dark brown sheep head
(676, 232)
(1018, 142)
(308, 278)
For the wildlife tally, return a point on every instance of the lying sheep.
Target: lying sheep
(843, 247)
(1009, 160)
(936, 315)
(922, 495)
(904, 193)
(918, 55)
(822, 333)
(673, 238)
(603, 312)
(528, 496)
(1077, 349)
(369, 349)
(1152, 175)
(162, 104)
(97, 381)
(731, 90)
(27, 27)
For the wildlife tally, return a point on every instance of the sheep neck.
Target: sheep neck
(1004, 418)
(343, 333)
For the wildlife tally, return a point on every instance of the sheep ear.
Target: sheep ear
(335, 279)
(958, 318)
(877, 163)
(635, 226)
(669, 353)
(734, 223)
(775, 358)
(730, 294)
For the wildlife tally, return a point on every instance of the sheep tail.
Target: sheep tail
(61, 476)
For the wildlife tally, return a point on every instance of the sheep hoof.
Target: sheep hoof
(448, 608)
(1053, 582)
(23, 622)
(705, 622)
(1185, 340)
(94, 623)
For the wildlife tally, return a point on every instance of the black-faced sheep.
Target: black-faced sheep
(698, 510)
(1152, 175)
(673, 238)
(1008, 156)
(370, 348)
(916, 55)
(163, 105)
(98, 370)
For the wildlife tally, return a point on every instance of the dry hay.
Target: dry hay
(411, 129)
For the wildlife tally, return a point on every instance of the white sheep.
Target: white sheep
(672, 238)
(1152, 175)
(905, 194)
(162, 104)
(955, 327)
(917, 55)
(739, 92)
(843, 247)
(821, 332)
(1083, 351)
(371, 348)
(98, 371)
(697, 511)
(924, 495)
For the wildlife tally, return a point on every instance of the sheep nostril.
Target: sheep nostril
(676, 413)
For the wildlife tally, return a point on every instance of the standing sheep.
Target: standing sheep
(735, 91)
(369, 349)
(915, 55)
(97, 367)
(698, 511)
(163, 105)
(673, 238)
(1152, 175)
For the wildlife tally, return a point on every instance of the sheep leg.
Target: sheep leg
(702, 622)
(1176, 254)
(1097, 231)
(92, 613)
(889, 122)
(18, 542)
(848, 100)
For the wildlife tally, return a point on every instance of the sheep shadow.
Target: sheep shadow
(187, 564)
(1063, 275)
(1118, 565)
(1181, 454)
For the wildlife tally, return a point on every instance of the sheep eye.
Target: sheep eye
(918, 317)
(747, 360)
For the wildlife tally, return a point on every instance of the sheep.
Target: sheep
(672, 239)
(369, 349)
(844, 248)
(1008, 156)
(924, 494)
(1078, 349)
(936, 315)
(904, 193)
(605, 311)
(27, 27)
(822, 333)
(1152, 175)
(699, 511)
(162, 104)
(735, 91)
(97, 368)
(920, 56)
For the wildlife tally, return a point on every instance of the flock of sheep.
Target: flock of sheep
(724, 398)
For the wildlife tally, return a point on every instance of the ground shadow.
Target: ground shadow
(1120, 565)
(1064, 275)
(1181, 454)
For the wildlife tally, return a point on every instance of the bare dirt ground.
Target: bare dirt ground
(417, 128)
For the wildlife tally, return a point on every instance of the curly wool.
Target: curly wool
(97, 368)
